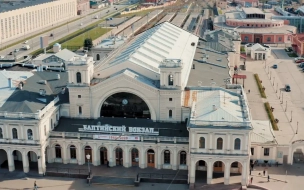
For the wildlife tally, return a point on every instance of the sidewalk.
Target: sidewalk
(273, 86)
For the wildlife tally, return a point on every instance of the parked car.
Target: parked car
(10, 53)
(26, 47)
(301, 65)
(287, 88)
(299, 60)
(288, 49)
(16, 50)
(51, 35)
(25, 42)
(275, 66)
(109, 19)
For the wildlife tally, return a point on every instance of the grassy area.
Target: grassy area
(242, 49)
(79, 32)
(271, 117)
(140, 13)
(93, 34)
(292, 55)
(261, 89)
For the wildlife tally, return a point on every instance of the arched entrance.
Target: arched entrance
(33, 161)
(218, 172)
(235, 173)
(134, 157)
(298, 156)
(119, 156)
(125, 105)
(97, 57)
(151, 158)
(103, 156)
(88, 151)
(3, 159)
(201, 172)
(17, 157)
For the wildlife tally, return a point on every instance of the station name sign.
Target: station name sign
(117, 129)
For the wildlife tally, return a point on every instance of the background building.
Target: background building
(25, 18)
(82, 6)
(255, 26)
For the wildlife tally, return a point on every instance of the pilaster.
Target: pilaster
(174, 164)
(96, 159)
(64, 151)
(245, 166)
(227, 174)
(142, 158)
(25, 162)
(159, 154)
(10, 159)
(126, 156)
(209, 173)
(111, 156)
(80, 154)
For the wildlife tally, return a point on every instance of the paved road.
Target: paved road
(64, 30)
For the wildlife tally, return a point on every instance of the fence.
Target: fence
(162, 178)
(67, 172)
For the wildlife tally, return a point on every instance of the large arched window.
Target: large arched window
(73, 152)
(15, 133)
(97, 57)
(78, 77)
(167, 157)
(1, 133)
(237, 144)
(29, 134)
(219, 144)
(170, 80)
(58, 151)
(202, 142)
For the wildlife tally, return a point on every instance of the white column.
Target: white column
(290, 155)
(40, 170)
(42, 158)
(64, 151)
(126, 156)
(244, 172)
(192, 169)
(111, 155)
(49, 155)
(142, 159)
(209, 172)
(159, 158)
(174, 164)
(227, 173)
(10, 159)
(94, 156)
(79, 154)
(25, 162)
(211, 142)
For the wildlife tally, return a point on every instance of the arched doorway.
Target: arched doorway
(151, 158)
(17, 157)
(183, 158)
(3, 159)
(33, 161)
(235, 172)
(119, 156)
(97, 57)
(88, 151)
(201, 172)
(125, 105)
(298, 156)
(134, 157)
(103, 156)
(218, 172)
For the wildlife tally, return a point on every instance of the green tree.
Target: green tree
(88, 44)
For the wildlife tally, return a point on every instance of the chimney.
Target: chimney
(10, 85)
(58, 76)
(214, 107)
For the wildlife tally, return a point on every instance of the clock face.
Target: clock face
(124, 101)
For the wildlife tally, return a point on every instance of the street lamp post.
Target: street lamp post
(297, 127)
(277, 88)
(291, 116)
(273, 81)
(282, 98)
(286, 106)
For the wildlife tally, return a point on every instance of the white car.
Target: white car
(16, 50)
(1, 56)
(81, 24)
(25, 42)
(297, 58)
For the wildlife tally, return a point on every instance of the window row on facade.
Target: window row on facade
(219, 143)
(29, 20)
(14, 134)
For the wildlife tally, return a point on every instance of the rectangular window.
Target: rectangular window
(170, 99)
(79, 96)
(252, 151)
(266, 151)
(80, 110)
(268, 39)
(280, 39)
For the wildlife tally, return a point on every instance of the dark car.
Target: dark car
(51, 35)
(10, 53)
(287, 88)
(275, 66)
